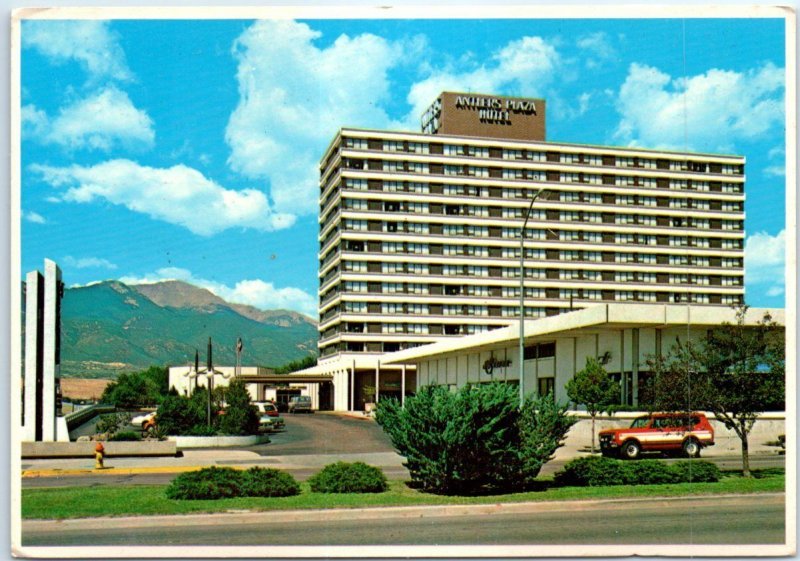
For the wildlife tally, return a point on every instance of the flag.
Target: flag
(239, 346)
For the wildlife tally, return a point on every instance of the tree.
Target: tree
(138, 389)
(240, 417)
(737, 373)
(296, 365)
(593, 388)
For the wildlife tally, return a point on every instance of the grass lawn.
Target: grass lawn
(82, 502)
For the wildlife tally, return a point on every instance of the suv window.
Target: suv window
(640, 423)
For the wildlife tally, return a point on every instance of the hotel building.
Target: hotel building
(420, 233)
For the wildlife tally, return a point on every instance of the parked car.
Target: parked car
(147, 422)
(270, 418)
(660, 432)
(300, 403)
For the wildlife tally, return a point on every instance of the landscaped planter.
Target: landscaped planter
(217, 441)
(86, 449)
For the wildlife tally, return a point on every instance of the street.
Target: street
(682, 521)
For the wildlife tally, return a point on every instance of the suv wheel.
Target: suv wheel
(691, 448)
(631, 450)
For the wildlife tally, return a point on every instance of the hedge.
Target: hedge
(598, 471)
(343, 477)
(222, 483)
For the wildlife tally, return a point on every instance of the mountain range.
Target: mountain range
(110, 327)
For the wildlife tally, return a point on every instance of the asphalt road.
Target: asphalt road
(686, 521)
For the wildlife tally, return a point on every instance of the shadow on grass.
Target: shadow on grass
(535, 487)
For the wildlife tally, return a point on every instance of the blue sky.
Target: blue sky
(189, 149)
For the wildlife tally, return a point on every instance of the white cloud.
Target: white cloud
(526, 66)
(294, 96)
(100, 121)
(34, 217)
(598, 49)
(764, 262)
(777, 168)
(254, 292)
(88, 263)
(178, 195)
(89, 42)
(718, 108)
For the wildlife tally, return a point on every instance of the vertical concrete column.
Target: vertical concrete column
(403, 386)
(52, 348)
(34, 302)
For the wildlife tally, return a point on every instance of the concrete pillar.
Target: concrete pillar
(34, 310)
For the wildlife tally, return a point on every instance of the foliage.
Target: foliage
(112, 422)
(737, 373)
(207, 483)
(343, 477)
(138, 389)
(595, 471)
(125, 436)
(474, 440)
(202, 430)
(295, 365)
(593, 388)
(241, 417)
(177, 416)
(268, 482)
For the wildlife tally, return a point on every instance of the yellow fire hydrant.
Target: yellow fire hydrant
(99, 450)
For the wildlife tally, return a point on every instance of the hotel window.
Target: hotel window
(478, 231)
(647, 296)
(417, 248)
(358, 225)
(511, 252)
(592, 178)
(624, 162)
(535, 156)
(699, 279)
(593, 198)
(647, 259)
(678, 260)
(393, 146)
(513, 212)
(647, 201)
(625, 219)
(393, 328)
(648, 182)
(678, 203)
(355, 286)
(595, 256)
(678, 279)
(451, 310)
(393, 165)
(730, 299)
(700, 185)
(393, 288)
(625, 180)
(647, 277)
(730, 262)
(417, 208)
(702, 223)
(417, 228)
(700, 205)
(356, 143)
(533, 292)
(417, 268)
(470, 210)
(510, 292)
(569, 197)
(473, 329)
(731, 188)
(677, 184)
(356, 204)
(678, 241)
(594, 160)
(418, 167)
(355, 307)
(624, 238)
(535, 234)
(513, 173)
(730, 224)
(392, 247)
(418, 147)
(537, 176)
(569, 236)
(453, 230)
(453, 170)
(731, 206)
(569, 177)
(392, 308)
(624, 258)
(513, 233)
(478, 151)
(453, 270)
(359, 184)
(418, 328)
(452, 250)
(569, 216)
(534, 273)
(647, 220)
(393, 186)
(533, 253)
(700, 298)
(625, 200)
(593, 237)
(512, 154)
(647, 163)
(592, 294)
(355, 266)
(700, 261)
(569, 274)
(453, 189)
(567, 293)
(623, 295)
(472, 290)
(570, 158)
(417, 288)
(623, 276)
(419, 188)
(569, 255)
(595, 276)
(453, 150)
(594, 217)
(731, 244)
(728, 169)
(678, 166)
(731, 281)
(509, 193)
(390, 226)
(700, 242)
(392, 268)
(474, 171)
(476, 250)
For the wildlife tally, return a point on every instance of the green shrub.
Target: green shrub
(592, 471)
(474, 440)
(268, 482)
(176, 416)
(343, 477)
(241, 417)
(202, 430)
(697, 471)
(207, 483)
(112, 422)
(595, 471)
(126, 436)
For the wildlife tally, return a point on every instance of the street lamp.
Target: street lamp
(522, 299)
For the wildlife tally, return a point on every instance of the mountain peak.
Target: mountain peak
(179, 294)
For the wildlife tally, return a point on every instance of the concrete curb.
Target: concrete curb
(373, 513)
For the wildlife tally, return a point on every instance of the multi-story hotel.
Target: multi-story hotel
(420, 232)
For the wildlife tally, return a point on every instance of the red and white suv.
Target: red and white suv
(660, 432)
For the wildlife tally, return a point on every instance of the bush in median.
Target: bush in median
(343, 477)
(268, 482)
(594, 472)
(225, 483)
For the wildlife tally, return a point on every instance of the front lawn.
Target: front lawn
(136, 500)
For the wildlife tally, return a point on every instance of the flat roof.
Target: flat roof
(588, 320)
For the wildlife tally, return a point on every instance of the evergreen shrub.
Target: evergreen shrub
(268, 482)
(207, 483)
(597, 471)
(241, 417)
(126, 436)
(697, 471)
(343, 477)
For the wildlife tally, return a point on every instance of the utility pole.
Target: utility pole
(522, 299)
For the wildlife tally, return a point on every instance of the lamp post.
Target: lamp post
(522, 299)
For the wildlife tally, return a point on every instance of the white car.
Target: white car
(140, 420)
